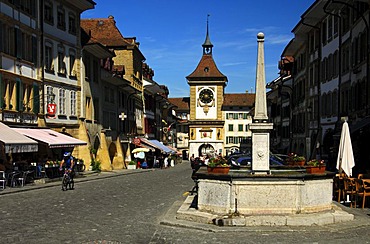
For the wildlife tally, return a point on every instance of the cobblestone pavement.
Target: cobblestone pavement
(129, 206)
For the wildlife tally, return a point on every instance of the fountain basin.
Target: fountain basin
(279, 193)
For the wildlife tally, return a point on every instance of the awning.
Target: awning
(174, 150)
(52, 138)
(15, 142)
(156, 144)
(161, 146)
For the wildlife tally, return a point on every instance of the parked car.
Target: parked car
(244, 160)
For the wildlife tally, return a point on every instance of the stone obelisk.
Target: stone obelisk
(260, 127)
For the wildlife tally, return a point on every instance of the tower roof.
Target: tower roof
(207, 69)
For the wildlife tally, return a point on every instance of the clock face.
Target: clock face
(206, 96)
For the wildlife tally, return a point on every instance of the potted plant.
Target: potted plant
(315, 166)
(131, 165)
(218, 165)
(294, 159)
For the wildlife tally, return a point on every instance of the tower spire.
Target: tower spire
(207, 45)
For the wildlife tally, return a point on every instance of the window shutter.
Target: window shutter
(19, 97)
(36, 98)
(34, 50)
(18, 42)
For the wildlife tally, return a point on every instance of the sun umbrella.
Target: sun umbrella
(140, 149)
(345, 160)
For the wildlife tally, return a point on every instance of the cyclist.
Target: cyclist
(69, 163)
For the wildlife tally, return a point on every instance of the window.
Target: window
(246, 128)
(48, 13)
(49, 56)
(230, 140)
(72, 59)
(324, 32)
(231, 127)
(61, 64)
(330, 28)
(61, 24)
(62, 101)
(73, 102)
(72, 24)
(240, 127)
(235, 116)
(335, 28)
(49, 91)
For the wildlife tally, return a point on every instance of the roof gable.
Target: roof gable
(104, 30)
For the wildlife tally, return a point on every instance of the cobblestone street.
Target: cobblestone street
(129, 208)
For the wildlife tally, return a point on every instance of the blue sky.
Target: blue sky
(171, 34)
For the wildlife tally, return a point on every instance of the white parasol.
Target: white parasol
(345, 159)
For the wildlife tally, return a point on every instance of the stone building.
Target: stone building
(329, 79)
(40, 72)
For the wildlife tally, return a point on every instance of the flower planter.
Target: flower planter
(218, 170)
(131, 166)
(315, 169)
(300, 163)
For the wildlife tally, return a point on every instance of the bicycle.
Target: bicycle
(67, 180)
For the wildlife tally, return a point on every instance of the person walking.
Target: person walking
(166, 162)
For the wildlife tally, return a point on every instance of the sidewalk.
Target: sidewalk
(80, 177)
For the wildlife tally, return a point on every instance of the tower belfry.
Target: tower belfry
(207, 45)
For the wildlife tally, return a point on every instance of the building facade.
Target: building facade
(330, 79)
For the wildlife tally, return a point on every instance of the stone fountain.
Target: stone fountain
(263, 195)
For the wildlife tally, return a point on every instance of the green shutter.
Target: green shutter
(36, 98)
(34, 50)
(18, 42)
(19, 103)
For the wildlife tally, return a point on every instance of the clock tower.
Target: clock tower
(206, 124)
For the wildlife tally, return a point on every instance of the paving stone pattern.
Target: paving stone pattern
(132, 207)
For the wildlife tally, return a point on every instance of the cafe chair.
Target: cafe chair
(338, 188)
(21, 178)
(350, 191)
(362, 191)
(2, 180)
